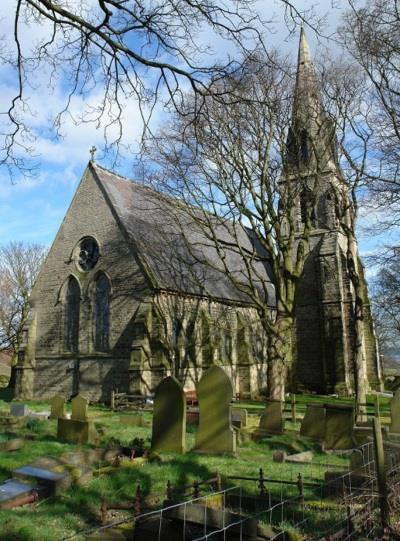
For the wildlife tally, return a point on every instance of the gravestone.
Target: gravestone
(395, 413)
(74, 431)
(339, 422)
(19, 410)
(239, 418)
(57, 407)
(169, 417)
(271, 420)
(79, 408)
(313, 423)
(215, 433)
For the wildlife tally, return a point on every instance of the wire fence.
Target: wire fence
(343, 507)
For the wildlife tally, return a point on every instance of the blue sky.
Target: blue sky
(32, 209)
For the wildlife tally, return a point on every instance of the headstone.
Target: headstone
(239, 418)
(279, 456)
(313, 424)
(13, 444)
(395, 413)
(74, 431)
(215, 433)
(271, 421)
(19, 410)
(169, 417)
(339, 422)
(79, 408)
(57, 407)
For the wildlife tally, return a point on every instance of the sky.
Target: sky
(31, 209)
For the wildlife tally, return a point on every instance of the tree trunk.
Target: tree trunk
(279, 357)
(361, 381)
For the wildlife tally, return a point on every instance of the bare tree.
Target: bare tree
(371, 35)
(386, 299)
(231, 167)
(19, 266)
(125, 49)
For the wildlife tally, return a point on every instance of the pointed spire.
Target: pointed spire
(307, 103)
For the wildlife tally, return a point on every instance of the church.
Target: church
(119, 303)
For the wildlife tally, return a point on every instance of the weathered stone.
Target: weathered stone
(339, 422)
(279, 456)
(239, 416)
(57, 407)
(313, 424)
(395, 413)
(74, 431)
(215, 433)
(271, 421)
(55, 481)
(300, 458)
(19, 410)
(12, 444)
(79, 408)
(13, 489)
(169, 417)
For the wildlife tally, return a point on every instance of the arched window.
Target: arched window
(102, 313)
(72, 308)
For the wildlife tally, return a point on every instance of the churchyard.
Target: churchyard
(93, 467)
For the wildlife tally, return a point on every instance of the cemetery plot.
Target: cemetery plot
(164, 475)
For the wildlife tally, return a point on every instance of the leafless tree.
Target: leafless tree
(228, 167)
(371, 35)
(128, 50)
(386, 300)
(19, 265)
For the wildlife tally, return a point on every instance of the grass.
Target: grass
(78, 508)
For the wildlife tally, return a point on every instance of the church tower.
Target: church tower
(325, 301)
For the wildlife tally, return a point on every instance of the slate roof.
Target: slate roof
(173, 248)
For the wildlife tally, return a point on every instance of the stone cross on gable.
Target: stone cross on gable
(92, 153)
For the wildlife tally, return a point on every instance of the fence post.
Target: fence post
(112, 400)
(261, 484)
(377, 410)
(137, 506)
(300, 486)
(381, 473)
(293, 400)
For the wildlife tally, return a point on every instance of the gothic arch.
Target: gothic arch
(70, 296)
(101, 292)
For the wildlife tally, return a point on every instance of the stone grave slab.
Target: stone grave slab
(339, 422)
(215, 433)
(13, 489)
(271, 421)
(57, 407)
(74, 431)
(79, 408)
(395, 413)
(313, 423)
(19, 410)
(169, 417)
(300, 458)
(54, 481)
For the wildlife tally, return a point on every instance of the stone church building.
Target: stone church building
(121, 301)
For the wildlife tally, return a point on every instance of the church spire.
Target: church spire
(307, 102)
(311, 139)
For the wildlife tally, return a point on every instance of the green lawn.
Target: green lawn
(78, 507)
